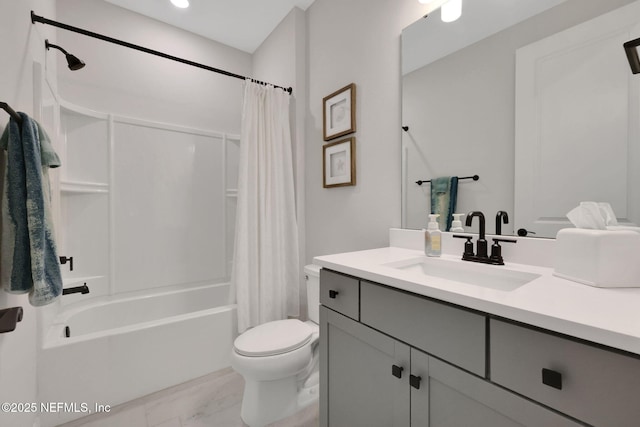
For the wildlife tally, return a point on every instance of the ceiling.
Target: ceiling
(243, 24)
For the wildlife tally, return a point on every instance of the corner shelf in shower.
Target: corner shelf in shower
(79, 187)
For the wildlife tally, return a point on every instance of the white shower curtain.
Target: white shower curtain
(265, 271)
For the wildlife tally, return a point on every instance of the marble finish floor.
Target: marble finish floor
(210, 401)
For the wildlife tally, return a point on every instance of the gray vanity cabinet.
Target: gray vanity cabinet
(357, 366)
(590, 383)
(450, 397)
(377, 364)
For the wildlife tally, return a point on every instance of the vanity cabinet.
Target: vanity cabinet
(364, 375)
(450, 397)
(406, 360)
(593, 384)
(450, 333)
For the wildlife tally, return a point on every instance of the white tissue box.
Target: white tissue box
(606, 259)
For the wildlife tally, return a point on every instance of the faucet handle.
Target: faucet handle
(468, 246)
(503, 240)
(496, 250)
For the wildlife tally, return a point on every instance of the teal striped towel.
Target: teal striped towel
(28, 256)
(444, 195)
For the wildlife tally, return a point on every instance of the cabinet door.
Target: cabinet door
(359, 386)
(449, 397)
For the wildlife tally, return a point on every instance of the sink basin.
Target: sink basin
(492, 277)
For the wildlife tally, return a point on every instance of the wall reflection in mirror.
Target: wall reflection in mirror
(534, 96)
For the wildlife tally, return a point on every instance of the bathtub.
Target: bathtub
(122, 348)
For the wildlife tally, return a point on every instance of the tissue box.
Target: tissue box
(606, 259)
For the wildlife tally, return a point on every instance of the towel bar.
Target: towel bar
(474, 177)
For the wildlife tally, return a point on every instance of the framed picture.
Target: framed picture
(339, 163)
(339, 112)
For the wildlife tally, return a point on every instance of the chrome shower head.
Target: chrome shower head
(73, 61)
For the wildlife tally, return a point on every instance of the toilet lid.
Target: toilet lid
(277, 337)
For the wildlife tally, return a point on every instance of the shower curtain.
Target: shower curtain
(265, 272)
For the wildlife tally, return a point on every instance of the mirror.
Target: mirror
(460, 100)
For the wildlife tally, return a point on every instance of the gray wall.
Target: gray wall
(131, 83)
(356, 41)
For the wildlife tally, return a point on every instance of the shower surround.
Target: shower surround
(147, 212)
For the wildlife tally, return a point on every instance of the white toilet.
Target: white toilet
(279, 362)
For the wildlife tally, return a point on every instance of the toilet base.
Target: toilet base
(265, 402)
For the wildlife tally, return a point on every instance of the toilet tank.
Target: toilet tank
(312, 277)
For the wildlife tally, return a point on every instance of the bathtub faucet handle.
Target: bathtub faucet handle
(64, 259)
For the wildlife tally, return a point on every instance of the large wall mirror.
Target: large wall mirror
(536, 98)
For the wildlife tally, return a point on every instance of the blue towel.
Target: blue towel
(28, 257)
(444, 193)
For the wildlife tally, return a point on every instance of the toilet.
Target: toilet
(279, 362)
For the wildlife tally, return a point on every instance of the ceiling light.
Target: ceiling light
(180, 3)
(451, 10)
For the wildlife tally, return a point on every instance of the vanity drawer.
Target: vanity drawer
(592, 384)
(447, 332)
(340, 293)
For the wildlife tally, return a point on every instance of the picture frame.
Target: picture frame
(339, 113)
(339, 163)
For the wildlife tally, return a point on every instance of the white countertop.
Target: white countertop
(608, 316)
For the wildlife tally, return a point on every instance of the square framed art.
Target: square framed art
(339, 163)
(339, 112)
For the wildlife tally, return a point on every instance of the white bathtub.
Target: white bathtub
(120, 349)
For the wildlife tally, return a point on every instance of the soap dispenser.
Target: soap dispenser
(433, 237)
(456, 225)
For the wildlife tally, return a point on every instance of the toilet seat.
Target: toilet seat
(273, 338)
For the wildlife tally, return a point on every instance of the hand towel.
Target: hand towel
(28, 256)
(444, 193)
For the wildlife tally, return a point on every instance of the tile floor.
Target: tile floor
(210, 401)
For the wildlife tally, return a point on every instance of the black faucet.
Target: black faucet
(481, 252)
(84, 289)
(501, 216)
(481, 245)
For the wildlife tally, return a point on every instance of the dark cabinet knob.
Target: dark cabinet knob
(396, 371)
(415, 381)
(333, 294)
(552, 378)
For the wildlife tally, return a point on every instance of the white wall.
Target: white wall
(281, 60)
(21, 43)
(133, 83)
(356, 41)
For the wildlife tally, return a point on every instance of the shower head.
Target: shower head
(73, 61)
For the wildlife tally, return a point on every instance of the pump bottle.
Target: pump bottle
(433, 237)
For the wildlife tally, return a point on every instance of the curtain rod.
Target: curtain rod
(35, 18)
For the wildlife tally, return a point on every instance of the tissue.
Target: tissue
(593, 216)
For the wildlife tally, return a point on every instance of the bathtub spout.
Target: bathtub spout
(84, 289)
